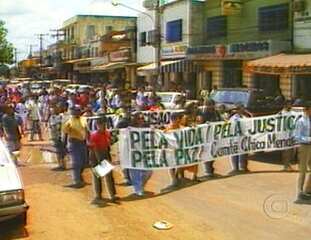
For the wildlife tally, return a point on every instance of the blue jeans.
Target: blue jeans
(78, 153)
(239, 162)
(139, 178)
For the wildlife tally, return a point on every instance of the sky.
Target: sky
(26, 18)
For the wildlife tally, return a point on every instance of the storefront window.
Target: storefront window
(174, 31)
(273, 18)
(217, 27)
(303, 87)
(268, 83)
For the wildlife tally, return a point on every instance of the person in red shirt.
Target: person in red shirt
(83, 99)
(99, 142)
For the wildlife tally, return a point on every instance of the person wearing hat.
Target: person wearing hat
(239, 163)
(76, 130)
(303, 138)
(99, 142)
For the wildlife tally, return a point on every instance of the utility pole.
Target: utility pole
(57, 34)
(15, 56)
(30, 50)
(158, 42)
(41, 36)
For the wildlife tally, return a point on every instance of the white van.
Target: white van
(12, 200)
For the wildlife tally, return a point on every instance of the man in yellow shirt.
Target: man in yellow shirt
(76, 130)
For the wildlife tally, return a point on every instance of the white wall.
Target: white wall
(176, 11)
(145, 54)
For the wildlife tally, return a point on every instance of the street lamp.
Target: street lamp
(151, 5)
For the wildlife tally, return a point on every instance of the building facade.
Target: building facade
(88, 41)
(236, 32)
(181, 26)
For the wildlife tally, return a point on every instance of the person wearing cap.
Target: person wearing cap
(99, 142)
(287, 155)
(303, 138)
(239, 163)
(76, 131)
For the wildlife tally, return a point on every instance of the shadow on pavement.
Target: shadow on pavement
(268, 157)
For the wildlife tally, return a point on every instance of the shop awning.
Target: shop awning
(152, 66)
(79, 60)
(289, 63)
(109, 66)
(283, 61)
(176, 66)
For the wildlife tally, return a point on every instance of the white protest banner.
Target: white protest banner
(153, 118)
(146, 148)
(160, 117)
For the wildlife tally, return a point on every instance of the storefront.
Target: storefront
(292, 74)
(223, 64)
(177, 75)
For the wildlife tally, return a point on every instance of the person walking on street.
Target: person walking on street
(76, 130)
(303, 138)
(139, 178)
(239, 162)
(210, 114)
(11, 131)
(34, 117)
(287, 155)
(55, 127)
(173, 172)
(99, 142)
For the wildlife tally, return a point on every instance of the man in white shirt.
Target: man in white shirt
(34, 117)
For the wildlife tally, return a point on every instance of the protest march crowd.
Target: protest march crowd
(85, 124)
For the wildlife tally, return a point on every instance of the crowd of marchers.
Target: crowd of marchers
(62, 118)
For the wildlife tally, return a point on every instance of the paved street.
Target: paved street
(253, 206)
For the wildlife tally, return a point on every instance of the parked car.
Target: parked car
(12, 198)
(255, 101)
(73, 88)
(168, 98)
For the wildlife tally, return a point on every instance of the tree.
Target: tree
(6, 48)
(4, 70)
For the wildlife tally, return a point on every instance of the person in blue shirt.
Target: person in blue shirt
(303, 138)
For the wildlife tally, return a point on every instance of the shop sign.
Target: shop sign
(231, 7)
(173, 51)
(120, 55)
(236, 48)
(243, 50)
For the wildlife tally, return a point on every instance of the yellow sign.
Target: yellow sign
(231, 7)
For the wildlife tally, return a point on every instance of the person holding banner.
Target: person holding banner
(239, 163)
(303, 138)
(210, 114)
(139, 178)
(174, 125)
(287, 155)
(188, 120)
(99, 142)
